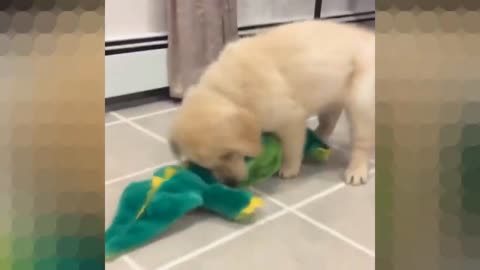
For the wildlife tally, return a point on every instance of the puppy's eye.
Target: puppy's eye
(227, 156)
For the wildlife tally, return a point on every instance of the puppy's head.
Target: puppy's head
(216, 139)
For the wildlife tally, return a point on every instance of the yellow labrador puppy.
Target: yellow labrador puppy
(273, 82)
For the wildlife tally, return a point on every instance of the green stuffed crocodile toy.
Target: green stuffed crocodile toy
(147, 208)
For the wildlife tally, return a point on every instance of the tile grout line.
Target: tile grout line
(160, 112)
(141, 116)
(294, 210)
(125, 177)
(112, 123)
(229, 237)
(123, 119)
(304, 202)
(334, 233)
(132, 263)
(319, 195)
(140, 128)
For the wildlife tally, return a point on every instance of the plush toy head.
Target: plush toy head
(269, 161)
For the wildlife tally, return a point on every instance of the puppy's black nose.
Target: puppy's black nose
(230, 182)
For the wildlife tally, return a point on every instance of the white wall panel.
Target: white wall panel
(132, 72)
(134, 18)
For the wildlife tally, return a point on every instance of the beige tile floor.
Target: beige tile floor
(313, 222)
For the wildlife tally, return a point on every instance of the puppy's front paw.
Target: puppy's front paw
(288, 172)
(356, 176)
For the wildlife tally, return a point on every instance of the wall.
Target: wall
(134, 18)
(136, 60)
(140, 18)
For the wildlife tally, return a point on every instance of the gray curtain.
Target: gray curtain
(197, 32)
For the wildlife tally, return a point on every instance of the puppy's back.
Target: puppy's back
(301, 36)
(307, 61)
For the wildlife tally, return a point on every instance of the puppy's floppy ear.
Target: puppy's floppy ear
(248, 134)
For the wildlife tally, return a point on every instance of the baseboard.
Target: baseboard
(139, 64)
(138, 98)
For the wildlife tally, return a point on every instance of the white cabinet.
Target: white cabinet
(346, 7)
(254, 12)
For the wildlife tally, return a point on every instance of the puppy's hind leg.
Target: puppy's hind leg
(360, 110)
(327, 121)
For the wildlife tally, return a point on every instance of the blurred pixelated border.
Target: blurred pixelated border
(51, 144)
(52, 134)
(427, 134)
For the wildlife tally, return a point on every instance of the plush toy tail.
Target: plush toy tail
(315, 148)
(320, 154)
(163, 210)
(157, 181)
(146, 210)
(249, 210)
(233, 204)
